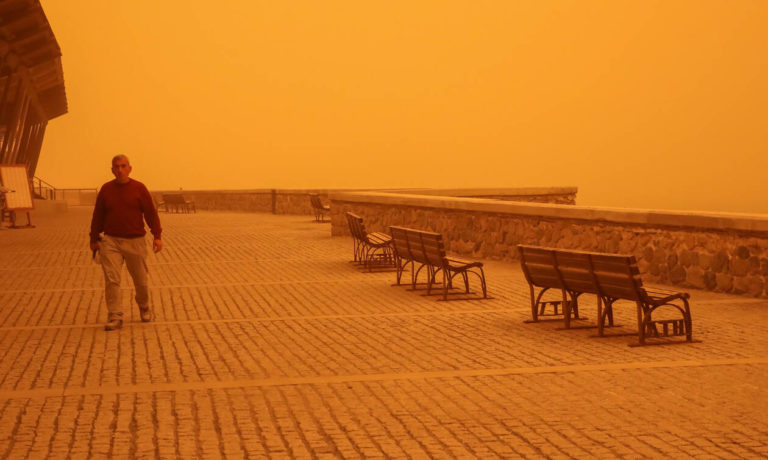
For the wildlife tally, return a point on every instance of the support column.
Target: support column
(21, 125)
(27, 135)
(35, 147)
(12, 123)
(10, 106)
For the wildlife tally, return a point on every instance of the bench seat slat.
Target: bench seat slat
(462, 264)
(378, 239)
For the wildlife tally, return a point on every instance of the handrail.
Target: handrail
(43, 188)
(44, 182)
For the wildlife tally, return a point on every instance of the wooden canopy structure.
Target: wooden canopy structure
(31, 81)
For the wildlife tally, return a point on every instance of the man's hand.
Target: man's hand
(157, 245)
(94, 246)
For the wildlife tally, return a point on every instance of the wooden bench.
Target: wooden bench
(611, 277)
(318, 207)
(175, 202)
(540, 269)
(159, 204)
(425, 251)
(369, 249)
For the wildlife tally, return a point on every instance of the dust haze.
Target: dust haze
(652, 104)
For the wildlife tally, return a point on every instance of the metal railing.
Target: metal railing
(43, 189)
(77, 196)
(73, 196)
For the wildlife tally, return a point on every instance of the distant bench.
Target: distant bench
(611, 277)
(318, 207)
(175, 202)
(369, 249)
(425, 250)
(159, 204)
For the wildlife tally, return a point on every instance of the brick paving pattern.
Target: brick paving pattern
(268, 343)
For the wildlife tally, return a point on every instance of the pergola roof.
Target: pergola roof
(26, 34)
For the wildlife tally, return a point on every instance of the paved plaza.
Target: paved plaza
(268, 343)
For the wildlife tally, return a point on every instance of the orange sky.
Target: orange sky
(649, 104)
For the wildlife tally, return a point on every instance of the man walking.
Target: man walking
(122, 206)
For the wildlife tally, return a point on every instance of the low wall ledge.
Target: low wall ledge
(498, 191)
(696, 219)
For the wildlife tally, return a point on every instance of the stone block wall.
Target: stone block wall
(294, 202)
(565, 198)
(224, 200)
(555, 195)
(704, 251)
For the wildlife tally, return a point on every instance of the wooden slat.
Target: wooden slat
(575, 270)
(614, 278)
(539, 256)
(620, 291)
(544, 275)
(435, 257)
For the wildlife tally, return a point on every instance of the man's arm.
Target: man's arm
(152, 219)
(97, 221)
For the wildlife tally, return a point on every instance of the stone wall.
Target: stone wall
(556, 195)
(296, 201)
(718, 252)
(263, 200)
(554, 198)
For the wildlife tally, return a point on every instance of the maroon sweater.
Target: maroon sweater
(119, 210)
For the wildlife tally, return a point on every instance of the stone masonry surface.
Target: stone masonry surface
(268, 343)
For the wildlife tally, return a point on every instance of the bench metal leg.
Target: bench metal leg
(647, 327)
(566, 310)
(538, 306)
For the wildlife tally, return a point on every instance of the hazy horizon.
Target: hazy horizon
(639, 104)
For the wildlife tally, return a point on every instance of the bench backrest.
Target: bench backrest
(618, 276)
(314, 198)
(419, 246)
(575, 269)
(539, 266)
(174, 198)
(356, 227)
(400, 244)
(610, 275)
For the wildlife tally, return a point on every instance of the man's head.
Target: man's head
(121, 168)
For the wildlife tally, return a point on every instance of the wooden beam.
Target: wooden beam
(36, 147)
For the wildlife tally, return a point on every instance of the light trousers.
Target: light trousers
(113, 251)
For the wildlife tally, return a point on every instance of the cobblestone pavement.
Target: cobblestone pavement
(268, 343)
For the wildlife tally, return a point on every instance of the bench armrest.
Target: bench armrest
(661, 296)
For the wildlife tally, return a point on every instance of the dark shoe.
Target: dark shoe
(114, 322)
(146, 314)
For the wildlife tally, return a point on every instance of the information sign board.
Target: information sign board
(18, 196)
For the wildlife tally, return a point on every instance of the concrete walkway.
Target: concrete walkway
(268, 343)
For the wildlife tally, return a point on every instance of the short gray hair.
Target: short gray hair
(120, 157)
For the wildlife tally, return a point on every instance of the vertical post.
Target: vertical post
(35, 148)
(10, 117)
(6, 89)
(18, 126)
(274, 201)
(25, 133)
